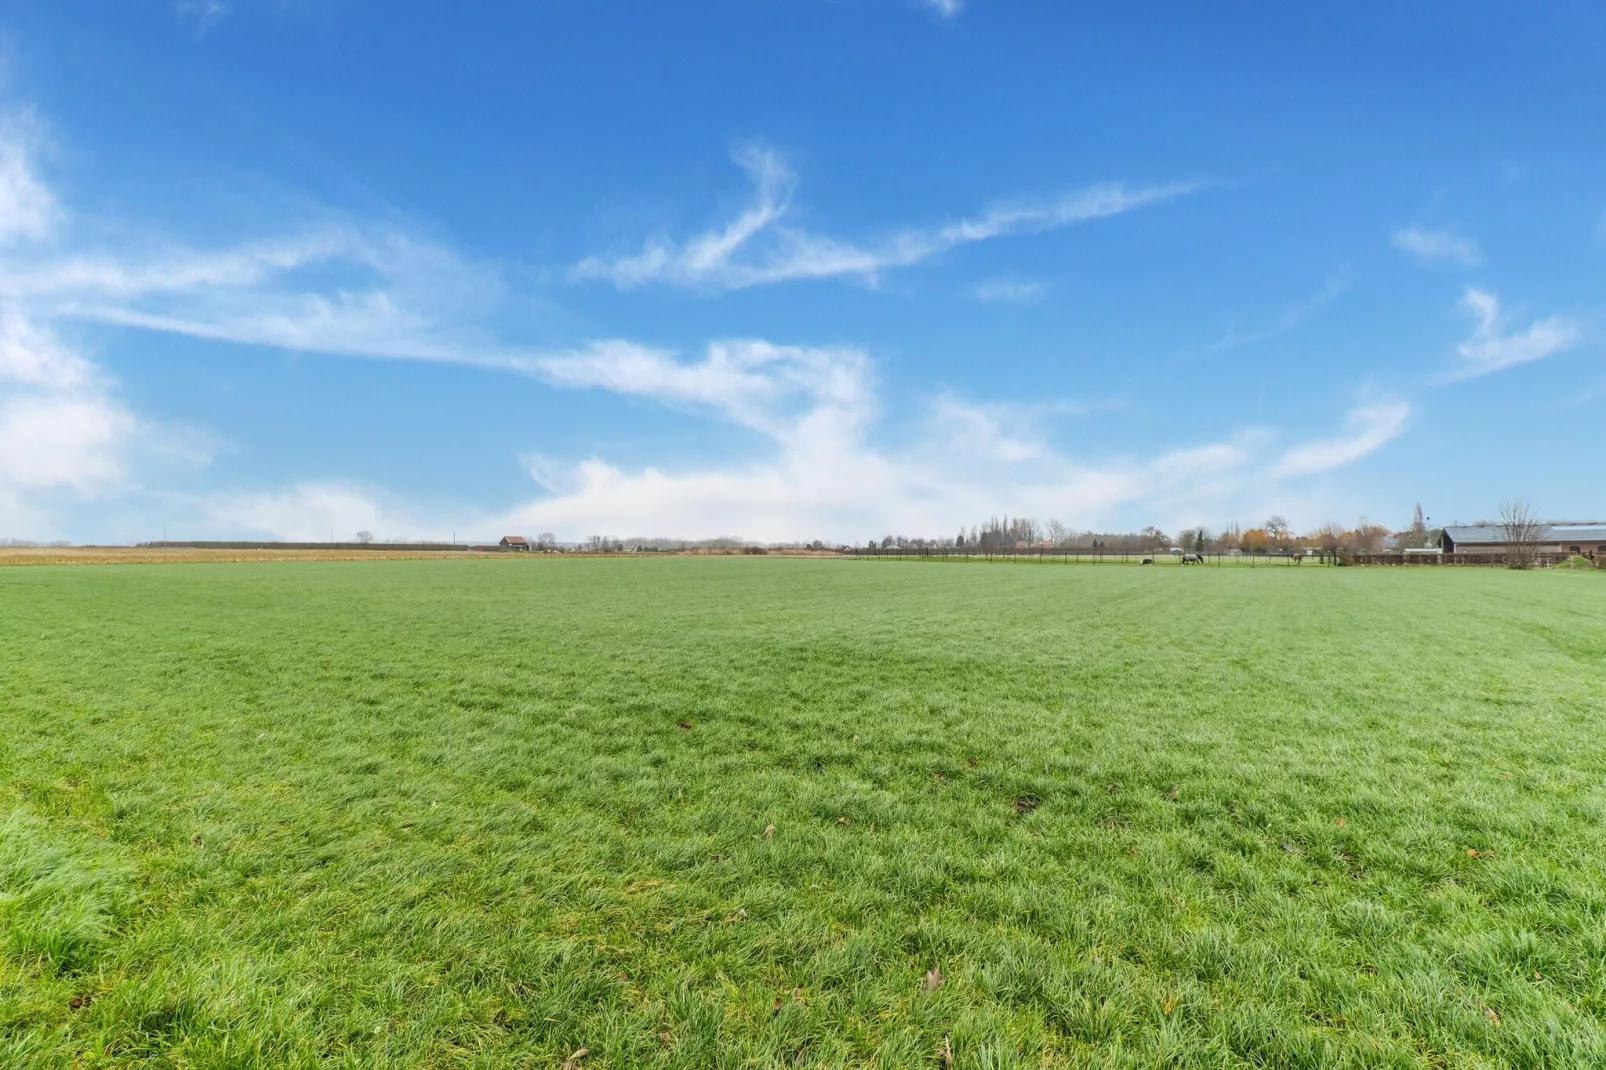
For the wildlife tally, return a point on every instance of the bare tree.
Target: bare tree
(365, 537)
(1279, 531)
(1523, 531)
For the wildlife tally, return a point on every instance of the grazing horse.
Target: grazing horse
(1148, 561)
(1193, 559)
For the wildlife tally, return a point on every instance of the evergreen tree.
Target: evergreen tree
(1418, 535)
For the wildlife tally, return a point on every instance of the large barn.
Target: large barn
(1586, 539)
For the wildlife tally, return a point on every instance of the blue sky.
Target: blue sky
(794, 269)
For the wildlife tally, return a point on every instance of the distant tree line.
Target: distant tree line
(1274, 535)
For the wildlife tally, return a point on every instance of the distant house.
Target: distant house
(1586, 539)
(514, 542)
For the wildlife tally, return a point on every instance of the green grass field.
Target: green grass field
(732, 812)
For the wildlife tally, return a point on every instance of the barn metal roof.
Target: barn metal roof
(1578, 532)
(1494, 533)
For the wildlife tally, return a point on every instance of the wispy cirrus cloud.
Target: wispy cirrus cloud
(945, 8)
(1368, 428)
(1491, 347)
(1428, 245)
(1010, 292)
(201, 15)
(1290, 318)
(761, 247)
(345, 288)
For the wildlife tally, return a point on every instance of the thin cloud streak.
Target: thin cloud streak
(1430, 245)
(1290, 319)
(1010, 292)
(1370, 427)
(759, 247)
(202, 14)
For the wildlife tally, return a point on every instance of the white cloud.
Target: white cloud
(828, 472)
(27, 208)
(342, 289)
(1489, 348)
(71, 441)
(1010, 291)
(1427, 245)
(1369, 428)
(789, 393)
(63, 430)
(166, 271)
(945, 8)
(991, 432)
(202, 14)
(759, 247)
(823, 467)
(305, 512)
(65, 434)
(30, 357)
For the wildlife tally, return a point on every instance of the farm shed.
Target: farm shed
(1586, 539)
(514, 542)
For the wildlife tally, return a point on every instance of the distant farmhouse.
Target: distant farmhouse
(1586, 539)
(514, 542)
